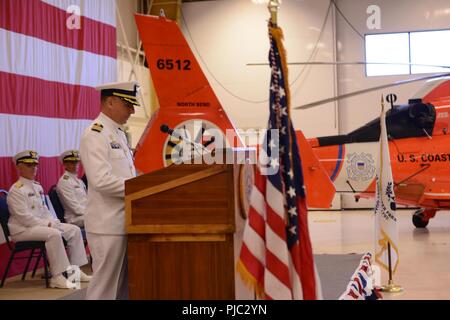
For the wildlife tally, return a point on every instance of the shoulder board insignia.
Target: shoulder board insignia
(97, 127)
(66, 177)
(18, 185)
(35, 182)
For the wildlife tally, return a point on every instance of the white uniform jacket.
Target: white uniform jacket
(72, 193)
(26, 204)
(108, 162)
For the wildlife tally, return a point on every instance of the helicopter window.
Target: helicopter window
(423, 115)
(406, 121)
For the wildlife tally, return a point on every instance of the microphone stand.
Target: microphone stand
(195, 146)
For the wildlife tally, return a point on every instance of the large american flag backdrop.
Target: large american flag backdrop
(276, 257)
(48, 70)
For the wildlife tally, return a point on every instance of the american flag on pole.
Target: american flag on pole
(386, 228)
(276, 257)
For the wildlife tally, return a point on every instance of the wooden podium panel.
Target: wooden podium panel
(180, 224)
(189, 269)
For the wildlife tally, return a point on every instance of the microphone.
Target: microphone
(165, 129)
(195, 145)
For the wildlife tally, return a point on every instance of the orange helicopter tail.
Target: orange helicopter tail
(184, 93)
(319, 188)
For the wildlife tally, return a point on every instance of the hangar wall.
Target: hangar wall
(226, 35)
(138, 121)
(398, 16)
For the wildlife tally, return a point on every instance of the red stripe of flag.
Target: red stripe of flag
(278, 268)
(257, 222)
(252, 264)
(276, 223)
(353, 295)
(255, 218)
(47, 98)
(307, 270)
(41, 20)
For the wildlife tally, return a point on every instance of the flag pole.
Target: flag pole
(390, 262)
(390, 287)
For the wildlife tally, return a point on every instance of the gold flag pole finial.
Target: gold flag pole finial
(273, 6)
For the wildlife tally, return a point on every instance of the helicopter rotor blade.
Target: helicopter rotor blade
(351, 94)
(352, 63)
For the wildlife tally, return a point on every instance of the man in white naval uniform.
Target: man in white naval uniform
(71, 190)
(30, 220)
(108, 162)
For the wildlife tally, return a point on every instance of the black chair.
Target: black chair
(56, 203)
(37, 247)
(84, 179)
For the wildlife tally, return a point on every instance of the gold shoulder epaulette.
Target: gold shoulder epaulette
(66, 177)
(97, 127)
(18, 185)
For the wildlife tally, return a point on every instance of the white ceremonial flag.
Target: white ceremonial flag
(386, 229)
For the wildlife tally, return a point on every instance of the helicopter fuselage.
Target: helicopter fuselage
(419, 146)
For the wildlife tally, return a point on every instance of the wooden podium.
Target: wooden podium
(180, 223)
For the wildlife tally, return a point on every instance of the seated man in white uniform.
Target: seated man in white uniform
(30, 220)
(71, 190)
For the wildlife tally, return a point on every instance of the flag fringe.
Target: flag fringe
(384, 243)
(249, 280)
(277, 34)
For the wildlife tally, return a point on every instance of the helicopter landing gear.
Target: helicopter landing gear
(422, 216)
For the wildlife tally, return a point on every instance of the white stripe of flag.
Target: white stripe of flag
(37, 58)
(48, 136)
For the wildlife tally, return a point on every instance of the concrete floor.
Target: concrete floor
(424, 267)
(34, 289)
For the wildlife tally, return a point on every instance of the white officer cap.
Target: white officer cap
(69, 155)
(27, 156)
(125, 90)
